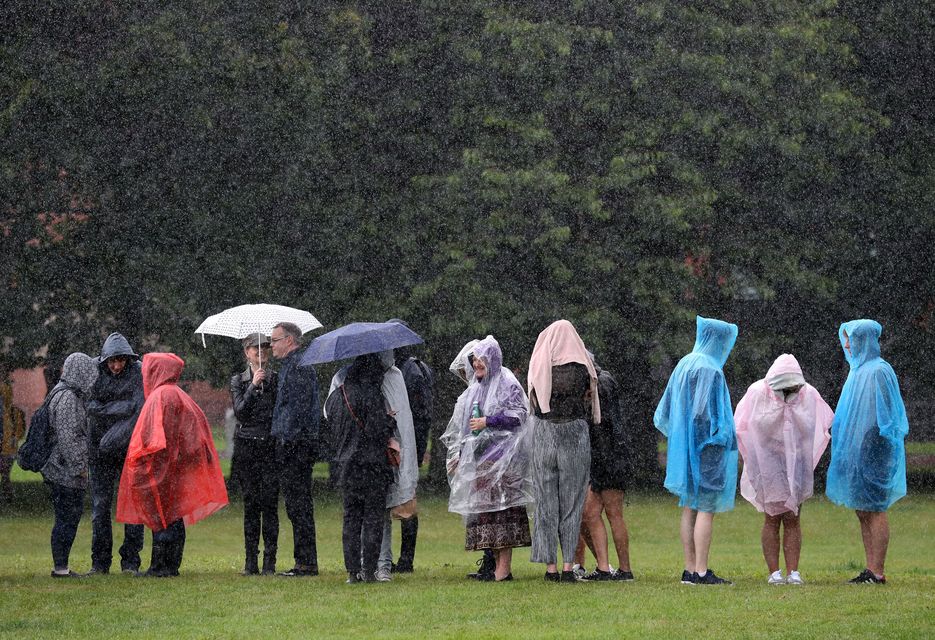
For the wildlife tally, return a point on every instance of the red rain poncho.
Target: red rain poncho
(172, 469)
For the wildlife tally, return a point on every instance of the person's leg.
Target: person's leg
(67, 504)
(504, 560)
(385, 560)
(102, 478)
(875, 531)
(687, 534)
(583, 543)
(176, 547)
(702, 536)
(297, 491)
(351, 531)
(545, 475)
(594, 524)
(251, 490)
(376, 522)
(791, 540)
(574, 464)
(612, 500)
(269, 507)
(769, 540)
(408, 534)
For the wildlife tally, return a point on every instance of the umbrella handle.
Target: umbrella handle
(203, 343)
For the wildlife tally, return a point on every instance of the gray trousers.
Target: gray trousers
(561, 467)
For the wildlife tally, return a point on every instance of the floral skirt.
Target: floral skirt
(497, 530)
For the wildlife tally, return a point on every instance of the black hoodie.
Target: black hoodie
(114, 399)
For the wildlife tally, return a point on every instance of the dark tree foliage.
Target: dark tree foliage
(474, 167)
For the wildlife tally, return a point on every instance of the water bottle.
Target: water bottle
(475, 413)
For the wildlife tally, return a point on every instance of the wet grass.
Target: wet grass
(211, 600)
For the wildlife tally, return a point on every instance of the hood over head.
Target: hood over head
(116, 345)
(784, 373)
(79, 372)
(160, 369)
(864, 336)
(714, 338)
(559, 344)
(488, 350)
(460, 367)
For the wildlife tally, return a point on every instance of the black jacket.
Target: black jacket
(114, 399)
(253, 406)
(360, 425)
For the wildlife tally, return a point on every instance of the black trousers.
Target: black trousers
(67, 503)
(104, 476)
(362, 535)
(258, 474)
(296, 460)
(168, 546)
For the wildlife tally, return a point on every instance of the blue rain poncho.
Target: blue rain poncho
(696, 416)
(868, 456)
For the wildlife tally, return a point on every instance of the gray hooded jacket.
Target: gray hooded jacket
(68, 462)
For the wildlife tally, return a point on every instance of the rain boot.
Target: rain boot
(174, 557)
(409, 531)
(250, 566)
(157, 565)
(269, 561)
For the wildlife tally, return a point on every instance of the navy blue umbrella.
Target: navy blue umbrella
(356, 339)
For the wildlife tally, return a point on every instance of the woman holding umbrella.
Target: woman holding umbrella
(253, 393)
(489, 483)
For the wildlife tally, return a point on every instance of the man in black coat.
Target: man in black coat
(113, 407)
(295, 430)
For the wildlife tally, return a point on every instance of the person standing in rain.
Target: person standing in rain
(868, 455)
(696, 416)
(420, 387)
(563, 394)
(782, 429)
(609, 473)
(453, 438)
(295, 430)
(115, 403)
(66, 472)
(172, 476)
(401, 493)
(361, 428)
(253, 396)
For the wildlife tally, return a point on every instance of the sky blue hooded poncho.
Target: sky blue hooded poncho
(696, 415)
(868, 456)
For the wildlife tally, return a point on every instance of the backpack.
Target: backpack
(40, 438)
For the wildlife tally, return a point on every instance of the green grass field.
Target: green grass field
(211, 599)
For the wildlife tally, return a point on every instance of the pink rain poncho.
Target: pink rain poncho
(781, 438)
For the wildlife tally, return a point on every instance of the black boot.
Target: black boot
(409, 531)
(250, 566)
(487, 566)
(174, 557)
(269, 561)
(157, 565)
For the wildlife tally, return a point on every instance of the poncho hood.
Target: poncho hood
(714, 338)
(460, 367)
(784, 373)
(864, 336)
(160, 369)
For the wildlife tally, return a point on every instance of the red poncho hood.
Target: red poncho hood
(172, 470)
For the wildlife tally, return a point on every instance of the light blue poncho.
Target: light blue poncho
(695, 414)
(868, 456)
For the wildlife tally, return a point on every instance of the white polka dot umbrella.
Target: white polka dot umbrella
(247, 319)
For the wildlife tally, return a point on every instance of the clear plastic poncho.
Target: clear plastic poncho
(781, 438)
(490, 471)
(696, 416)
(393, 387)
(868, 456)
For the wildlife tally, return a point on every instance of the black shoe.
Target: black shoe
(569, 576)
(299, 571)
(70, 574)
(250, 566)
(867, 577)
(97, 571)
(623, 576)
(367, 576)
(484, 569)
(598, 576)
(553, 576)
(710, 578)
(688, 577)
(492, 577)
(403, 566)
(353, 578)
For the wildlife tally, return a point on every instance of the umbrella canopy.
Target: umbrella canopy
(247, 319)
(356, 339)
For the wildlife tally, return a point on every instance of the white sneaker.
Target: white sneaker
(578, 570)
(383, 575)
(776, 578)
(794, 578)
